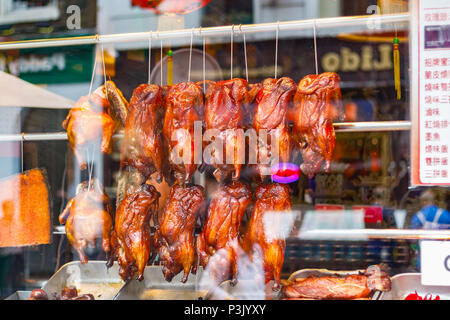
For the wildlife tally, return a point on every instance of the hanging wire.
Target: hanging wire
(245, 52)
(95, 66)
(190, 55)
(204, 59)
(231, 62)
(276, 49)
(315, 47)
(150, 58)
(104, 71)
(162, 60)
(21, 151)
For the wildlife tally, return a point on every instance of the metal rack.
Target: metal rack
(310, 24)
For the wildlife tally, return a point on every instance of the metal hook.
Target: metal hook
(97, 40)
(315, 47)
(245, 51)
(162, 60)
(150, 56)
(21, 151)
(190, 54)
(276, 49)
(204, 58)
(232, 41)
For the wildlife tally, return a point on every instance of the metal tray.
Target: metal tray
(304, 273)
(19, 295)
(406, 283)
(243, 290)
(93, 277)
(155, 287)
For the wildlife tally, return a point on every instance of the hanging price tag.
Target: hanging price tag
(435, 263)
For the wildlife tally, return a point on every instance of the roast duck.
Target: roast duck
(184, 110)
(174, 235)
(221, 231)
(261, 240)
(131, 238)
(353, 286)
(93, 121)
(88, 216)
(316, 103)
(226, 106)
(143, 151)
(270, 123)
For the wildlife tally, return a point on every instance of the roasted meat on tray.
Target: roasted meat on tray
(143, 152)
(225, 111)
(89, 123)
(131, 239)
(222, 227)
(262, 237)
(88, 216)
(174, 236)
(353, 286)
(272, 103)
(317, 103)
(184, 109)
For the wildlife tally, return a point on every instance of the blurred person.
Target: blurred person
(430, 217)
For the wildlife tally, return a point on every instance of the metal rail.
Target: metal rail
(339, 127)
(330, 23)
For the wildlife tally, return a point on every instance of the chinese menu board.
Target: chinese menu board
(430, 92)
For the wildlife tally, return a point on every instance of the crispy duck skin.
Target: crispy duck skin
(131, 239)
(88, 122)
(316, 103)
(225, 108)
(184, 107)
(222, 227)
(88, 216)
(354, 286)
(174, 236)
(260, 237)
(142, 147)
(272, 104)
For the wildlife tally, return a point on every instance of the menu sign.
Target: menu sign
(430, 92)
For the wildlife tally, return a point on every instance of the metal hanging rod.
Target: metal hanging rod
(337, 22)
(339, 127)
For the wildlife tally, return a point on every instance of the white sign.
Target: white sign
(435, 263)
(430, 92)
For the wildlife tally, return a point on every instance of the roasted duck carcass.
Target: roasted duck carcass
(118, 104)
(354, 286)
(222, 227)
(142, 146)
(184, 113)
(89, 123)
(131, 240)
(225, 111)
(174, 236)
(143, 152)
(263, 237)
(88, 216)
(270, 123)
(317, 103)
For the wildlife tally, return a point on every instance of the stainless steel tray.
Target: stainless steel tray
(19, 295)
(155, 287)
(304, 273)
(243, 290)
(93, 277)
(406, 283)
